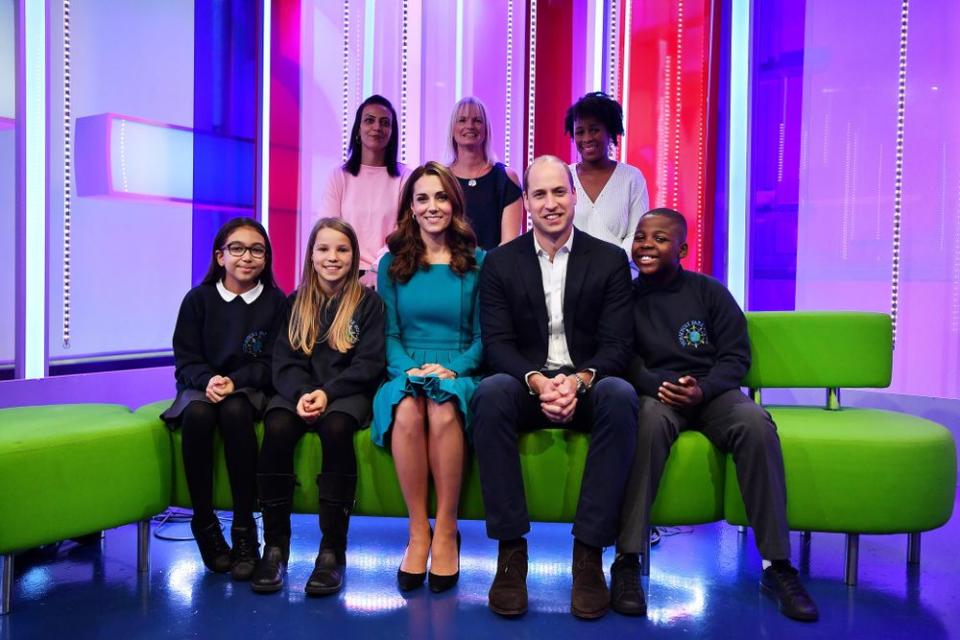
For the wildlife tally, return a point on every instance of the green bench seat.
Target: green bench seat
(552, 460)
(859, 470)
(852, 471)
(70, 470)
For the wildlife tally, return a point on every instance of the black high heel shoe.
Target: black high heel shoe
(439, 584)
(410, 581)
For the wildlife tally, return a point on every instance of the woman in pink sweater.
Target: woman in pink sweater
(366, 189)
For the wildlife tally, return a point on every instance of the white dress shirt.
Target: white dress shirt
(554, 273)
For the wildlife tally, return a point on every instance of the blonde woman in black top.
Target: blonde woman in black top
(492, 190)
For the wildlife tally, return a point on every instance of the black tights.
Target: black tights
(199, 420)
(283, 430)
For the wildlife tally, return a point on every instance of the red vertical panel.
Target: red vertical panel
(554, 76)
(284, 138)
(668, 122)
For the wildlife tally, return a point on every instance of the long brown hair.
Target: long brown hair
(405, 243)
(311, 301)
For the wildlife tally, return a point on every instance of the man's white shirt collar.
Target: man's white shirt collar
(568, 245)
(247, 297)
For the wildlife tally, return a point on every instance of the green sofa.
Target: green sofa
(69, 470)
(854, 471)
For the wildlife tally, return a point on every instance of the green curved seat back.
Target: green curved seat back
(796, 349)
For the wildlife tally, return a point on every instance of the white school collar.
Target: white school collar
(249, 297)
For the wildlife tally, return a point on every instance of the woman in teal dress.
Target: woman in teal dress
(428, 282)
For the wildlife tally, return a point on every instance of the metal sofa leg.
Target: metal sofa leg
(913, 548)
(143, 546)
(6, 583)
(645, 560)
(852, 556)
(805, 537)
(742, 530)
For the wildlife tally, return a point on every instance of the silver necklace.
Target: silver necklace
(472, 182)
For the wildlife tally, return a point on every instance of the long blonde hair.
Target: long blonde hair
(310, 303)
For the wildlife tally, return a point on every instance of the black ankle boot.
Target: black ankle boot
(246, 551)
(276, 499)
(327, 576)
(213, 547)
(337, 493)
(268, 575)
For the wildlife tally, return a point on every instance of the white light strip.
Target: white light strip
(35, 189)
(404, 80)
(458, 63)
(531, 81)
(508, 88)
(624, 80)
(345, 109)
(596, 74)
(898, 180)
(67, 178)
(677, 113)
(613, 51)
(264, 204)
(738, 161)
(369, 33)
(531, 90)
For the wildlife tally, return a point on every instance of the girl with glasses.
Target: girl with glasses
(221, 348)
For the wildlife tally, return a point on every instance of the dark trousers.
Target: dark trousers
(735, 425)
(503, 407)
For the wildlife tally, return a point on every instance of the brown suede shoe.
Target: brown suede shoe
(590, 597)
(508, 593)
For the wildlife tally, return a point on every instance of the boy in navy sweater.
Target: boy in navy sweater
(691, 352)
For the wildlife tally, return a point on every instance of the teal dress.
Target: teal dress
(434, 317)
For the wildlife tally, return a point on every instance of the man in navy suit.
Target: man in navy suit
(555, 316)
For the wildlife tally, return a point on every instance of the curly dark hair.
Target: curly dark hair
(600, 106)
(405, 243)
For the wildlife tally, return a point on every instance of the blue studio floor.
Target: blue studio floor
(703, 583)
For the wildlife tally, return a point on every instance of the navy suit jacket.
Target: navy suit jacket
(596, 307)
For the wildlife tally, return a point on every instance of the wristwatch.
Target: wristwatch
(582, 387)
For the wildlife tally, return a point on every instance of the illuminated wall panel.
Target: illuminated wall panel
(130, 260)
(669, 121)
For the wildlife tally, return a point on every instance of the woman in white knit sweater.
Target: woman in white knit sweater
(611, 195)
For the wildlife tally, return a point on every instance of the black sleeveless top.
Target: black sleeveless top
(486, 199)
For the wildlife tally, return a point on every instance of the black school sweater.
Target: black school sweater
(359, 370)
(233, 339)
(691, 326)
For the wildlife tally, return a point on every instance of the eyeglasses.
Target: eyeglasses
(237, 249)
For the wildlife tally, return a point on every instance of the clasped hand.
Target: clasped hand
(558, 396)
(432, 369)
(686, 393)
(218, 388)
(312, 405)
